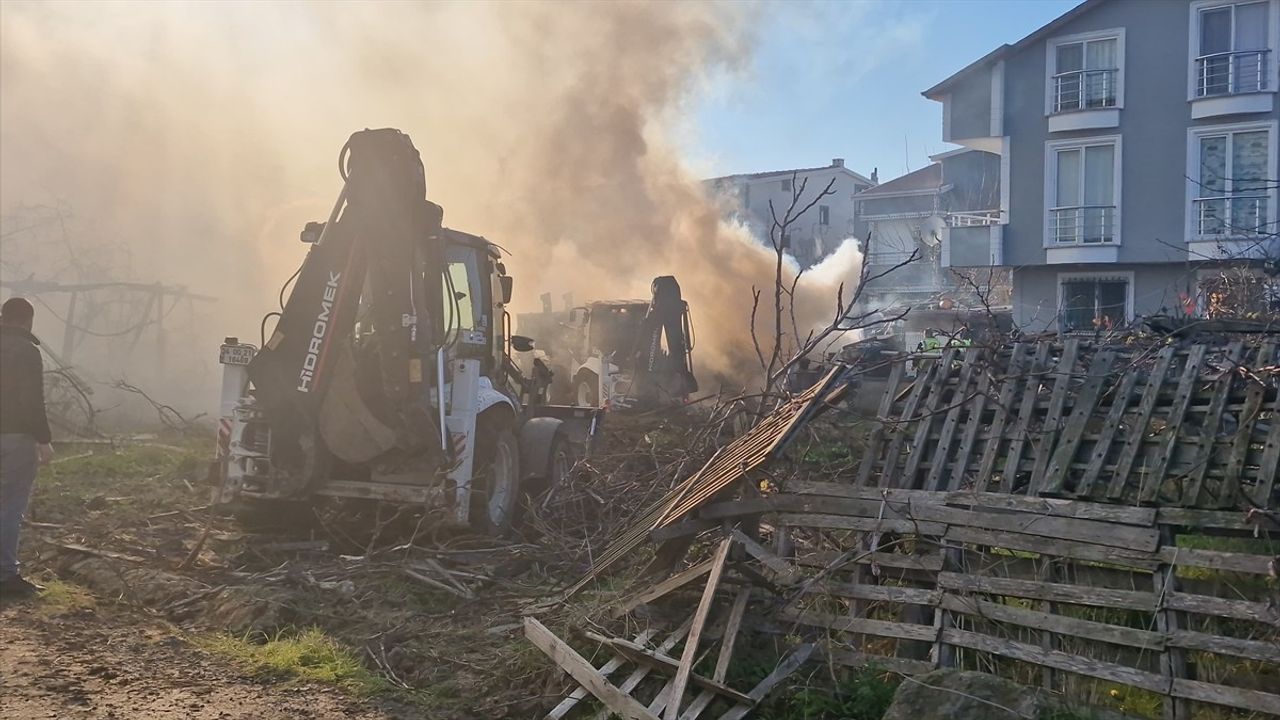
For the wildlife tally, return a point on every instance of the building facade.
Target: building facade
(911, 219)
(817, 232)
(1137, 145)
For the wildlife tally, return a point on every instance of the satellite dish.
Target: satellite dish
(931, 230)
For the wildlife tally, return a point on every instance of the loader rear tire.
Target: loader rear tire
(587, 390)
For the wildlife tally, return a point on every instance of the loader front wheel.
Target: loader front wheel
(495, 483)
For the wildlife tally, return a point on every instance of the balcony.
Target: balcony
(1231, 216)
(1082, 225)
(1231, 83)
(1231, 73)
(1084, 99)
(1084, 90)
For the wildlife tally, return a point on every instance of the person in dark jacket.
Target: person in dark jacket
(24, 435)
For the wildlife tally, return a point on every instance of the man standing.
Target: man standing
(24, 435)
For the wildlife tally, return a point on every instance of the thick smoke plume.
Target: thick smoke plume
(204, 135)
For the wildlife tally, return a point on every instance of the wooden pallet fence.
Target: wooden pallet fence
(1080, 595)
(1189, 425)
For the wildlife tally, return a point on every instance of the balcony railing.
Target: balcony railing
(1228, 73)
(1084, 90)
(972, 218)
(1231, 215)
(1082, 225)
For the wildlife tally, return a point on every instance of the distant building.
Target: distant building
(816, 233)
(921, 212)
(1137, 145)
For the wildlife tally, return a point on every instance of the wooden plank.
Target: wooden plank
(928, 416)
(667, 665)
(1221, 607)
(731, 629)
(572, 700)
(1193, 519)
(1129, 537)
(839, 522)
(1082, 410)
(641, 672)
(798, 657)
(854, 659)
(1057, 659)
(879, 593)
(1217, 560)
(690, 653)
(675, 582)
(1052, 427)
(1233, 471)
(1262, 650)
(1057, 592)
(901, 424)
(1154, 478)
(1061, 624)
(945, 437)
(798, 503)
(1209, 429)
(1057, 507)
(944, 654)
(841, 490)
(582, 671)
(925, 563)
(970, 436)
(1047, 546)
(876, 441)
(1254, 700)
(1004, 407)
(1106, 436)
(1137, 431)
(784, 572)
(862, 626)
(1022, 428)
(1269, 466)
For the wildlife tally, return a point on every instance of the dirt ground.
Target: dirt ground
(112, 662)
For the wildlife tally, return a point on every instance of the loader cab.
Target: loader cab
(474, 294)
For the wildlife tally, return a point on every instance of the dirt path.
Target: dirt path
(111, 662)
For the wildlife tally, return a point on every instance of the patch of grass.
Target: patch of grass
(63, 598)
(308, 654)
(862, 694)
(130, 478)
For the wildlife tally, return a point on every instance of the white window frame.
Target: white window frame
(1051, 61)
(1194, 134)
(1193, 46)
(1126, 275)
(1051, 149)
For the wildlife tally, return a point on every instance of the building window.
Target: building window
(1232, 185)
(824, 215)
(1092, 303)
(786, 185)
(1085, 72)
(1232, 49)
(1083, 193)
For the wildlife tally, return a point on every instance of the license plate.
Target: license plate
(235, 354)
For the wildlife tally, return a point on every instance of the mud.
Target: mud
(112, 662)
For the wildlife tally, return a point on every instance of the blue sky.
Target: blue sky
(843, 79)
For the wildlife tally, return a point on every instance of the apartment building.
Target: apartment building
(1137, 144)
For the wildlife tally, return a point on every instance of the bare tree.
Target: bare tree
(786, 350)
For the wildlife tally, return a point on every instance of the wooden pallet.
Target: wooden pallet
(1193, 425)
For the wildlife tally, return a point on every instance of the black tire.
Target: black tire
(586, 390)
(495, 480)
(560, 462)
